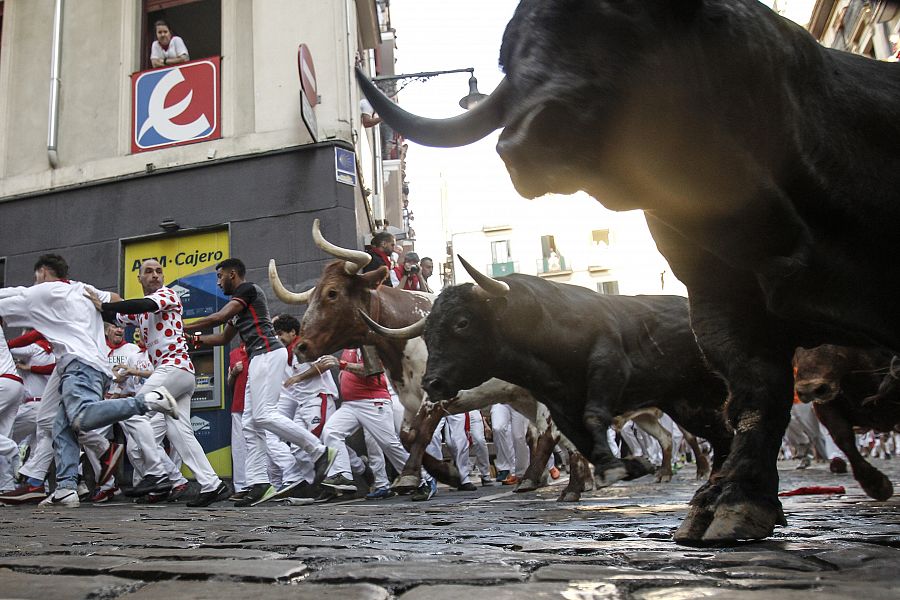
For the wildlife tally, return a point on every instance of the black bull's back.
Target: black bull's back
(575, 349)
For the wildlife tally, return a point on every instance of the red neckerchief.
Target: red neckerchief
(384, 257)
(116, 347)
(290, 349)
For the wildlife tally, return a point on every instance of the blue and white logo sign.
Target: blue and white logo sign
(177, 105)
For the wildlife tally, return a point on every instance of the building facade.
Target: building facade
(870, 28)
(106, 160)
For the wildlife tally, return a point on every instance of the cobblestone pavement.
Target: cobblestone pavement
(488, 544)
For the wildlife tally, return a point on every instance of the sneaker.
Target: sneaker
(178, 492)
(426, 491)
(489, 482)
(339, 482)
(380, 493)
(501, 475)
(467, 487)
(511, 480)
(291, 490)
(206, 498)
(238, 495)
(24, 494)
(268, 494)
(254, 493)
(151, 484)
(101, 495)
(805, 462)
(61, 499)
(162, 401)
(554, 473)
(323, 464)
(109, 460)
(327, 495)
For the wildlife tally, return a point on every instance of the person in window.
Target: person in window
(168, 49)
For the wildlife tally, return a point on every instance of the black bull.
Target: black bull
(586, 356)
(768, 168)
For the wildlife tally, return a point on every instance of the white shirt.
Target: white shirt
(7, 364)
(34, 356)
(308, 388)
(176, 48)
(69, 321)
(127, 355)
(162, 330)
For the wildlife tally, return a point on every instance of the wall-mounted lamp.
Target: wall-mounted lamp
(169, 225)
(467, 101)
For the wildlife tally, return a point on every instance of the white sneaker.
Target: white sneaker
(162, 401)
(62, 499)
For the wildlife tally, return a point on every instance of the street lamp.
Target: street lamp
(467, 101)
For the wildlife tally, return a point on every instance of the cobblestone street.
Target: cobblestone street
(486, 544)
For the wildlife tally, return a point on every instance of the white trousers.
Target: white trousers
(476, 434)
(457, 438)
(264, 380)
(12, 393)
(376, 417)
(238, 452)
(25, 426)
(509, 439)
(181, 384)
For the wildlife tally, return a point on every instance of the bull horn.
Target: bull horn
(461, 130)
(492, 287)
(404, 333)
(356, 259)
(284, 294)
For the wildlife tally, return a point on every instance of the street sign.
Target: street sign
(309, 96)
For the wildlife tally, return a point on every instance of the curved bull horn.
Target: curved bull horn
(284, 294)
(461, 130)
(356, 259)
(404, 333)
(489, 286)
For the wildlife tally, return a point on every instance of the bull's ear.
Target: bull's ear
(374, 278)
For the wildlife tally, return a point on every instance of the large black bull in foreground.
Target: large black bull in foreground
(769, 170)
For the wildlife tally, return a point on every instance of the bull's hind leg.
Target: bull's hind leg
(700, 459)
(607, 380)
(540, 455)
(741, 500)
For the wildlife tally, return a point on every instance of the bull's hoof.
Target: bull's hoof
(742, 521)
(609, 476)
(694, 526)
(877, 486)
(663, 477)
(406, 484)
(569, 497)
(455, 480)
(526, 485)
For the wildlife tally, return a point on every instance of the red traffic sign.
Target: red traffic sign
(307, 74)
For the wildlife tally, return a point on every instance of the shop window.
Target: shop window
(197, 22)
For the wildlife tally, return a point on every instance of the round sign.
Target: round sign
(307, 74)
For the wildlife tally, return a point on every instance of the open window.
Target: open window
(197, 22)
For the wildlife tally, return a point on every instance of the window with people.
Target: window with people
(177, 31)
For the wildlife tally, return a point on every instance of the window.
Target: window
(610, 288)
(197, 22)
(500, 252)
(552, 259)
(599, 253)
(600, 236)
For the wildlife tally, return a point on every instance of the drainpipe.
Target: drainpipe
(53, 118)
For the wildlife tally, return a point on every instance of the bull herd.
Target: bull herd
(575, 362)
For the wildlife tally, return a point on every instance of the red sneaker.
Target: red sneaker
(511, 480)
(103, 495)
(24, 494)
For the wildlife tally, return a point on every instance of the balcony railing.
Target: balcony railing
(553, 264)
(503, 268)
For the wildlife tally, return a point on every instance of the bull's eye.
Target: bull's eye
(462, 324)
(332, 294)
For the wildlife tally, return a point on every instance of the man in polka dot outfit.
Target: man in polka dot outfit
(158, 316)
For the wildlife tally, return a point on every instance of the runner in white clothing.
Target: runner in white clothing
(60, 310)
(12, 392)
(158, 317)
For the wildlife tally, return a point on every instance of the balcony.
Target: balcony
(553, 266)
(503, 268)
